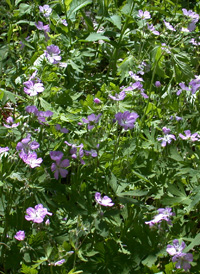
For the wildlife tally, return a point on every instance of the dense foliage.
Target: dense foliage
(99, 136)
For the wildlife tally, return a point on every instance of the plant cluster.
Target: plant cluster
(99, 137)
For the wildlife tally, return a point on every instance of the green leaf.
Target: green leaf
(175, 155)
(195, 242)
(116, 20)
(77, 5)
(113, 182)
(150, 260)
(136, 193)
(96, 36)
(24, 9)
(28, 270)
(140, 176)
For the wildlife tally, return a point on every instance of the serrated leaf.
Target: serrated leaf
(150, 260)
(116, 20)
(195, 242)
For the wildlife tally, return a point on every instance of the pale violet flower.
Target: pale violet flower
(31, 159)
(52, 53)
(59, 128)
(191, 14)
(10, 123)
(175, 248)
(40, 26)
(59, 166)
(45, 10)
(169, 26)
(60, 262)
(167, 137)
(20, 235)
(91, 120)
(163, 214)
(31, 88)
(188, 136)
(144, 14)
(195, 84)
(97, 101)
(4, 149)
(105, 201)
(64, 22)
(135, 77)
(152, 29)
(182, 259)
(157, 84)
(118, 97)
(37, 214)
(126, 119)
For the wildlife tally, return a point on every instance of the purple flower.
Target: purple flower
(118, 97)
(97, 101)
(60, 262)
(91, 120)
(175, 248)
(126, 119)
(193, 137)
(46, 10)
(144, 14)
(144, 95)
(192, 26)
(52, 54)
(63, 130)
(42, 115)
(56, 155)
(10, 123)
(4, 149)
(166, 130)
(105, 201)
(40, 26)
(32, 109)
(20, 235)
(31, 159)
(33, 88)
(183, 260)
(169, 26)
(193, 15)
(92, 152)
(74, 153)
(157, 84)
(180, 257)
(195, 84)
(163, 214)
(152, 29)
(37, 214)
(64, 22)
(167, 137)
(183, 87)
(59, 165)
(26, 145)
(135, 77)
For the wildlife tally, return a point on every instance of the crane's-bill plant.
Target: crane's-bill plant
(99, 136)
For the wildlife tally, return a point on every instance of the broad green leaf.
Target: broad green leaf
(150, 260)
(95, 37)
(195, 242)
(76, 5)
(116, 20)
(136, 193)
